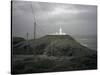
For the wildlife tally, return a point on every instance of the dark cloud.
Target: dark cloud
(75, 19)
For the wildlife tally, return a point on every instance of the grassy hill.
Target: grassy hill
(59, 45)
(52, 53)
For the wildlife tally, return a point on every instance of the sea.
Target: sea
(89, 41)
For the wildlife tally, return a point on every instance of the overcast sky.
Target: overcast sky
(74, 19)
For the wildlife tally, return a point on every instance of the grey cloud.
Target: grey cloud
(75, 19)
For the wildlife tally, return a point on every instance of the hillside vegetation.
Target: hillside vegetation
(52, 53)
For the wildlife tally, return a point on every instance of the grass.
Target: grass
(41, 63)
(51, 54)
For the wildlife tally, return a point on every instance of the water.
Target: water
(88, 41)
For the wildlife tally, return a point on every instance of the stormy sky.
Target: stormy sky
(74, 19)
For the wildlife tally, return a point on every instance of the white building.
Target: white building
(60, 32)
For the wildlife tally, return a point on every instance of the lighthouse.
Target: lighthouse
(60, 32)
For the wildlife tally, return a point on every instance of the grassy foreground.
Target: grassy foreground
(51, 54)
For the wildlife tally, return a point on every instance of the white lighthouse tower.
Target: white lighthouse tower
(60, 32)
